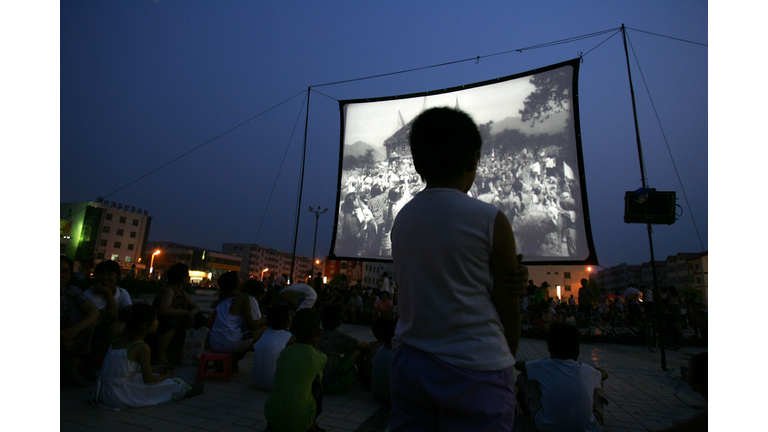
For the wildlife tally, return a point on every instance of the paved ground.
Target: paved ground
(641, 397)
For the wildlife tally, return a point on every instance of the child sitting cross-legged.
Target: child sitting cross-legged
(127, 379)
(297, 397)
(268, 346)
(561, 392)
(340, 373)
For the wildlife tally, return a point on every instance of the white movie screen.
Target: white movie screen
(531, 166)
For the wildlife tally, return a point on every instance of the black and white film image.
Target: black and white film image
(529, 166)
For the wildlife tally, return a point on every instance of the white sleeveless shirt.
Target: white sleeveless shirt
(441, 247)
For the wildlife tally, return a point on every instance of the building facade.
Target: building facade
(254, 259)
(564, 280)
(683, 271)
(205, 266)
(104, 230)
(367, 273)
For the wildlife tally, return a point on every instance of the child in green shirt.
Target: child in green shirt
(297, 396)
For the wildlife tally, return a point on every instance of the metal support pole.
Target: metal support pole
(659, 316)
(301, 188)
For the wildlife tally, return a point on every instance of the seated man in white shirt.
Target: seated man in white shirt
(298, 296)
(560, 392)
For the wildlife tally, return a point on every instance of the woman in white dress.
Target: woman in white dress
(127, 379)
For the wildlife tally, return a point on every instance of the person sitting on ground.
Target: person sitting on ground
(127, 378)
(255, 291)
(560, 392)
(268, 346)
(380, 359)
(298, 296)
(354, 307)
(75, 328)
(112, 302)
(176, 312)
(337, 299)
(233, 316)
(340, 373)
(383, 307)
(297, 397)
(699, 319)
(697, 379)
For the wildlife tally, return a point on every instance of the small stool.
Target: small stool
(208, 356)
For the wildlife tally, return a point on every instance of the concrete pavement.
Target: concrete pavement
(641, 396)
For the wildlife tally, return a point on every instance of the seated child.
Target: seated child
(383, 307)
(127, 379)
(560, 392)
(74, 328)
(233, 318)
(340, 373)
(268, 346)
(112, 302)
(380, 358)
(297, 398)
(255, 291)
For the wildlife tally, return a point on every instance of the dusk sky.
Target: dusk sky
(144, 82)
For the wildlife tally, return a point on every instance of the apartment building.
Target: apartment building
(254, 259)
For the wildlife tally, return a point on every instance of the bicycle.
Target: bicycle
(596, 331)
(673, 336)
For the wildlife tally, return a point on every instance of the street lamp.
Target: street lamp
(262, 273)
(152, 261)
(317, 219)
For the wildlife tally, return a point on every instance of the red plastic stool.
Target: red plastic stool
(202, 366)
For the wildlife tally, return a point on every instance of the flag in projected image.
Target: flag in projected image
(531, 165)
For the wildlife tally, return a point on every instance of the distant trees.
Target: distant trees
(551, 95)
(361, 161)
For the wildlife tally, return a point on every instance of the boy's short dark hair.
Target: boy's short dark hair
(443, 141)
(107, 266)
(277, 316)
(305, 325)
(254, 287)
(563, 341)
(228, 281)
(384, 330)
(177, 273)
(69, 262)
(331, 317)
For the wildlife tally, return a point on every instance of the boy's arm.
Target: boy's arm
(603, 374)
(520, 365)
(503, 263)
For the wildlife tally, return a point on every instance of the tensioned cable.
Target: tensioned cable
(606, 40)
(658, 120)
(256, 241)
(205, 143)
(476, 59)
(668, 37)
(323, 94)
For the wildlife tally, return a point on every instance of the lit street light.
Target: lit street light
(152, 261)
(317, 219)
(262, 273)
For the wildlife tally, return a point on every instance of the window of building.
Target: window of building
(105, 230)
(119, 232)
(567, 275)
(128, 258)
(108, 216)
(102, 242)
(117, 245)
(557, 272)
(100, 255)
(133, 234)
(135, 222)
(122, 219)
(130, 247)
(115, 257)
(698, 279)
(567, 287)
(549, 272)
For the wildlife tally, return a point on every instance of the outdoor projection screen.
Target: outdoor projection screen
(531, 164)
